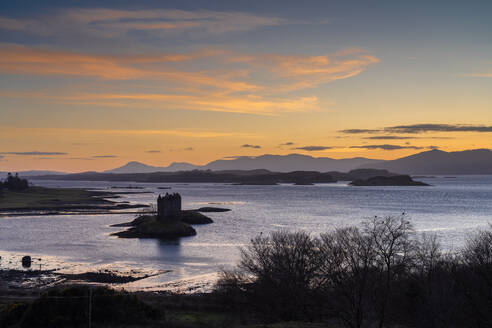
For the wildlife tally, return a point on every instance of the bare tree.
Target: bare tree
(348, 258)
(390, 237)
(476, 280)
(284, 265)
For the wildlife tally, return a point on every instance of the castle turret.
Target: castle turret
(169, 207)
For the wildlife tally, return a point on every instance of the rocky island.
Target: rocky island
(397, 180)
(170, 221)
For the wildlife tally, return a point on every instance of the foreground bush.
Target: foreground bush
(69, 307)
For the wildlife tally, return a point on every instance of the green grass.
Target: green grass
(46, 198)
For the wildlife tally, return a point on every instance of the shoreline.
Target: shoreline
(47, 271)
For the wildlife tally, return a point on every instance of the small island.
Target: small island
(397, 180)
(170, 221)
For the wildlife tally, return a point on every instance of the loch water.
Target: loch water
(452, 208)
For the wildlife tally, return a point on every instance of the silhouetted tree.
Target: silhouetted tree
(390, 238)
(347, 271)
(476, 278)
(15, 183)
(285, 266)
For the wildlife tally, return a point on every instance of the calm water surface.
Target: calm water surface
(452, 208)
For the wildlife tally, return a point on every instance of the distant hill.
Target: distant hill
(478, 161)
(288, 163)
(275, 163)
(436, 162)
(137, 167)
(32, 173)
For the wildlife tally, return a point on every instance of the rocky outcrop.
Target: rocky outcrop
(195, 217)
(148, 226)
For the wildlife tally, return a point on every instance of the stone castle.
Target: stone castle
(169, 207)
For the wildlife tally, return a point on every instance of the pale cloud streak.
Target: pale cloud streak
(7, 131)
(33, 153)
(213, 102)
(111, 23)
(104, 156)
(313, 148)
(423, 128)
(251, 146)
(388, 147)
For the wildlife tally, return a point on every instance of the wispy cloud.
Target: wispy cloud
(486, 75)
(286, 144)
(248, 104)
(313, 148)
(423, 128)
(104, 156)
(388, 138)
(66, 158)
(361, 131)
(387, 147)
(182, 149)
(80, 158)
(251, 146)
(261, 86)
(110, 23)
(153, 151)
(33, 153)
(178, 133)
(304, 72)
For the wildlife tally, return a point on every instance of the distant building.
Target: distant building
(169, 207)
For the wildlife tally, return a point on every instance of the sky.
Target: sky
(91, 85)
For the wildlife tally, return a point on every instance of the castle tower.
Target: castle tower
(169, 207)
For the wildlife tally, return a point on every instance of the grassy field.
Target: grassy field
(50, 198)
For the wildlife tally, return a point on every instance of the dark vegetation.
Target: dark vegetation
(260, 176)
(14, 183)
(69, 307)
(379, 275)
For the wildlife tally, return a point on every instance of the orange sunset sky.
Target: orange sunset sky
(92, 85)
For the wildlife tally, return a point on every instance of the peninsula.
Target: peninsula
(18, 195)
